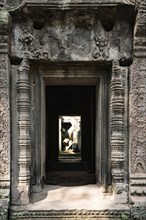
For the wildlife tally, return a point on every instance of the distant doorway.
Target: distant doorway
(70, 129)
(69, 138)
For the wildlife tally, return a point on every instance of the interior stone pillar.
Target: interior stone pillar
(4, 115)
(138, 112)
(118, 122)
(23, 102)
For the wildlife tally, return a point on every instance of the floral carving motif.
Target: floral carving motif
(138, 116)
(138, 112)
(4, 135)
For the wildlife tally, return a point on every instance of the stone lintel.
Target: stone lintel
(65, 5)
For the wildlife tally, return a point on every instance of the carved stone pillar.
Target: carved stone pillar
(4, 115)
(118, 131)
(23, 102)
(138, 111)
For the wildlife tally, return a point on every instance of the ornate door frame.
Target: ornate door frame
(30, 46)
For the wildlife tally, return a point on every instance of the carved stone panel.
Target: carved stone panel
(4, 122)
(4, 102)
(138, 129)
(4, 115)
(138, 111)
(138, 116)
(71, 36)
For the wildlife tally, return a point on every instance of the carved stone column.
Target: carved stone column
(23, 102)
(138, 111)
(4, 115)
(118, 134)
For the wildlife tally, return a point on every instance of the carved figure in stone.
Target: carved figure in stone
(27, 42)
(101, 49)
(139, 168)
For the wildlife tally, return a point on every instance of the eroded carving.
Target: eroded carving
(140, 31)
(138, 112)
(138, 131)
(4, 212)
(138, 116)
(26, 42)
(4, 121)
(27, 39)
(138, 213)
(71, 36)
(73, 214)
(101, 49)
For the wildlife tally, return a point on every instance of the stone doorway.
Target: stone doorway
(77, 164)
(83, 78)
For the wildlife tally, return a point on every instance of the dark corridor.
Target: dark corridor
(70, 100)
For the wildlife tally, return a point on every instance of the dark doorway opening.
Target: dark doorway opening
(70, 101)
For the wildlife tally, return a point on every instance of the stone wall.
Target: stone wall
(104, 32)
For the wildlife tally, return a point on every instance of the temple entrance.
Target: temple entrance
(70, 134)
(70, 110)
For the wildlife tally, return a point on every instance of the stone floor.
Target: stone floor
(82, 202)
(71, 197)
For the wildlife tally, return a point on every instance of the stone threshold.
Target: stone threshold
(71, 214)
(76, 202)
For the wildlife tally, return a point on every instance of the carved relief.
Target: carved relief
(117, 141)
(138, 116)
(72, 36)
(24, 131)
(137, 130)
(71, 214)
(138, 213)
(101, 49)
(138, 112)
(49, 43)
(67, 44)
(3, 212)
(26, 40)
(4, 121)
